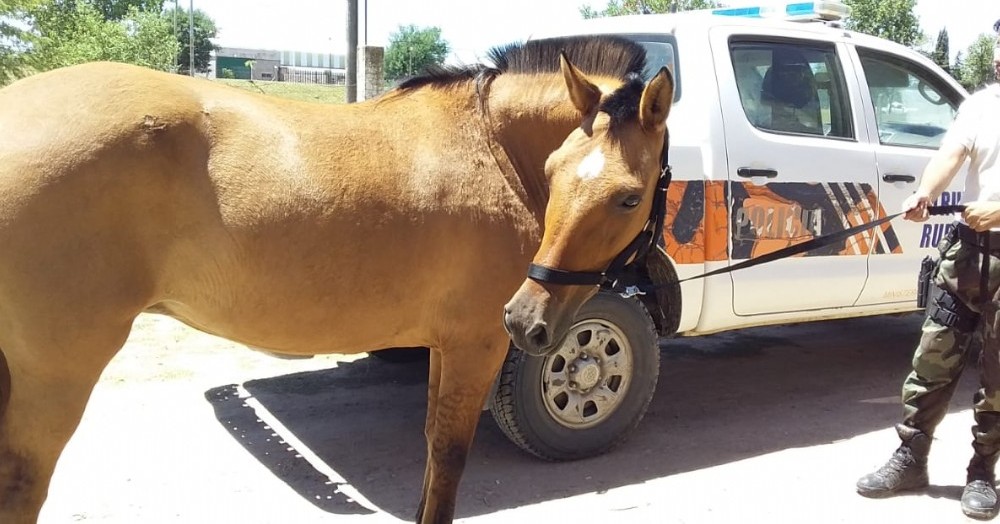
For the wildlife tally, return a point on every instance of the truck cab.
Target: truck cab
(786, 127)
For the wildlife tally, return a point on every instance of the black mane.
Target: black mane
(594, 55)
(623, 105)
(442, 76)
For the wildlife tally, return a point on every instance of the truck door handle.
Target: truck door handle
(749, 172)
(890, 177)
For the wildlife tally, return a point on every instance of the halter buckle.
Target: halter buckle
(631, 291)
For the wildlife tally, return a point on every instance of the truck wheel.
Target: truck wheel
(588, 396)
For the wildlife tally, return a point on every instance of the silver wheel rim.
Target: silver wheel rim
(585, 381)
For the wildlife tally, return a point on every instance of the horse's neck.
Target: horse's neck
(530, 117)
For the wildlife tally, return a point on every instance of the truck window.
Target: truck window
(794, 88)
(660, 52)
(913, 106)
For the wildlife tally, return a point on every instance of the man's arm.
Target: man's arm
(937, 175)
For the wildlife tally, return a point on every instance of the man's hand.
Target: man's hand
(982, 216)
(937, 175)
(915, 207)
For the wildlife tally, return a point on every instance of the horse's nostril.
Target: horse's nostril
(539, 336)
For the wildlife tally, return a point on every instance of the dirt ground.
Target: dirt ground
(763, 425)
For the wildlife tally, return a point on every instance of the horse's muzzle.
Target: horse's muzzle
(532, 337)
(534, 320)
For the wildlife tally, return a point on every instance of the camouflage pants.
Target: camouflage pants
(943, 351)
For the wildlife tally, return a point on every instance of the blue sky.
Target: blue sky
(473, 26)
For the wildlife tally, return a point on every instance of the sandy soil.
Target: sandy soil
(762, 425)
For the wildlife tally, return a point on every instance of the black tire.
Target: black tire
(535, 424)
(401, 355)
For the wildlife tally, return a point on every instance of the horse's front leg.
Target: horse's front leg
(433, 382)
(465, 374)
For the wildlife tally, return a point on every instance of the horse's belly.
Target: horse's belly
(348, 302)
(307, 323)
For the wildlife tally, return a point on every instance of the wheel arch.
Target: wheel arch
(664, 304)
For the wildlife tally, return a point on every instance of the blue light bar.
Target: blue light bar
(795, 11)
(749, 12)
(802, 8)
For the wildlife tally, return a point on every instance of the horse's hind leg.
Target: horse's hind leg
(460, 378)
(49, 375)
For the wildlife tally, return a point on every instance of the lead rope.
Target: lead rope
(809, 245)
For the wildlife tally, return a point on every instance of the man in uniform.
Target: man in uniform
(958, 307)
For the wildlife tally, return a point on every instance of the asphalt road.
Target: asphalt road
(761, 425)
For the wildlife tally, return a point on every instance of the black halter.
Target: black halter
(635, 251)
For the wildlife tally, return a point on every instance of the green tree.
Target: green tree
(890, 19)
(76, 32)
(119, 9)
(635, 7)
(204, 31)
(957, 66)
(977, 69)
(412, 49)
(941, 55)
(16, 39)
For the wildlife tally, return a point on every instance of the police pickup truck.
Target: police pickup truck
(785, 127)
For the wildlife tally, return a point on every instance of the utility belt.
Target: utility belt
(943, 306)
(986, 241)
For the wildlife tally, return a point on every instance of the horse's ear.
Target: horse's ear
(656, 99)
(584, 94)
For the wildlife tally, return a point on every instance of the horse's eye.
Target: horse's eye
(631, 201)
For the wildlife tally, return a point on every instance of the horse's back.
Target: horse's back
(123, 188)
(88, 103)
(88, 164)
(92, 118)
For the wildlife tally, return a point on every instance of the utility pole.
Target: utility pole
(352, 51)
(176, 36)
(191, 38)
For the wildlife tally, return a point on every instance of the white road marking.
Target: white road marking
(301, 449)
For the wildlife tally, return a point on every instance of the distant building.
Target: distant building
(233, 62)
(282, 66)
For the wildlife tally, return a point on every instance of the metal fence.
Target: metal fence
(286, 74)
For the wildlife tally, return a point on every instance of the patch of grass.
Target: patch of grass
(325, 94)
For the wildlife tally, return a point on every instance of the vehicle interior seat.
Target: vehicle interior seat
(789, 91)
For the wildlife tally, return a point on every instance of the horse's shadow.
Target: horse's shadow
(720, 399)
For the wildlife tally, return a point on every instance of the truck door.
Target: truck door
(799, 167)
(911, 106)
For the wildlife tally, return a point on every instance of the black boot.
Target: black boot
(979, 498)
(905, 470)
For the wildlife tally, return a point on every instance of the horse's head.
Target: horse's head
(602, 181)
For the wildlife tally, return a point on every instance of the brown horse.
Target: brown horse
(305, 229)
